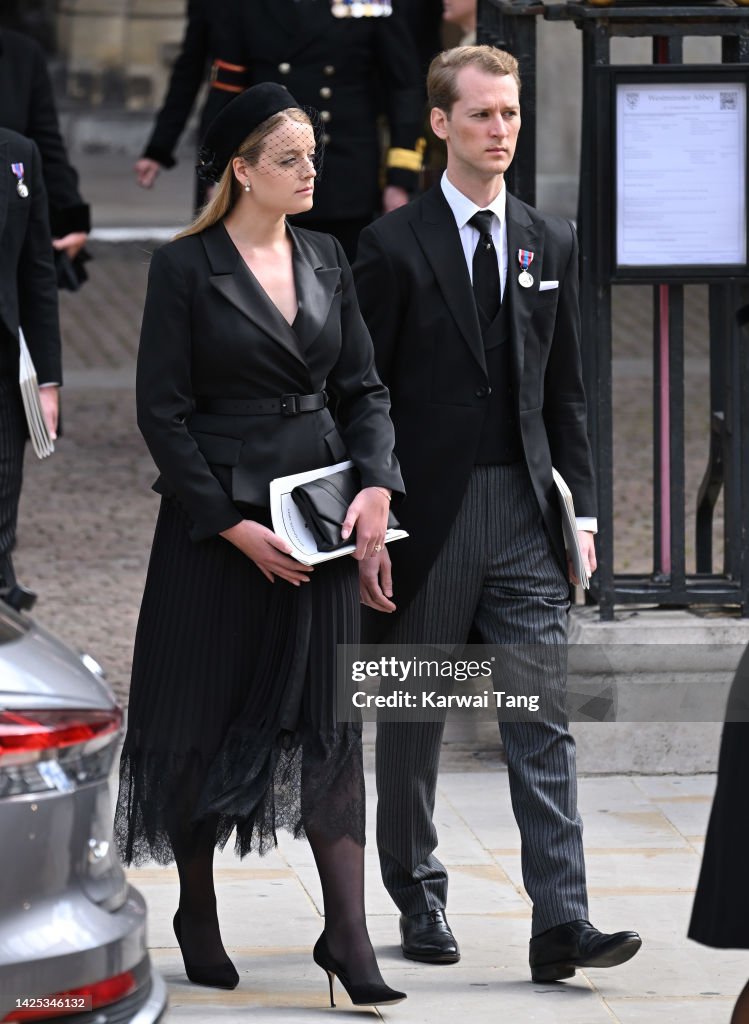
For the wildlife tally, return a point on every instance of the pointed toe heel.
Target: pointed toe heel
(213, 975)
(364, 994)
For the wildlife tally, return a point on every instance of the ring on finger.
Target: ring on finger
(378, 547)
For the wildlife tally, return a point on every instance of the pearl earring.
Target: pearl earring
(247, 187)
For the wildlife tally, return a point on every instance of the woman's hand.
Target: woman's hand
(368, 513)
(269, 553)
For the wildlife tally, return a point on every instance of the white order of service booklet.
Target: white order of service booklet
(288, 521)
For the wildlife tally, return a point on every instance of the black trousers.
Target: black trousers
(12, 443)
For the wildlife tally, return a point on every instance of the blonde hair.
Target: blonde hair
(228, 188)
(442, 76)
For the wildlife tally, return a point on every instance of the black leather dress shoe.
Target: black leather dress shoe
(556, 953)
(427, 937)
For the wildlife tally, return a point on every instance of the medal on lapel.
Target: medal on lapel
(21, 187)
(357, 9)
(525, 258)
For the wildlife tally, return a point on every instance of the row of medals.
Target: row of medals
(356, 9)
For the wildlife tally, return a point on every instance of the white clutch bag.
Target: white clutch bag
(41, 440)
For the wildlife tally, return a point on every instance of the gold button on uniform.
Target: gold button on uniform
(325, 116)
(326, 93)
(284, 68)
(328, 70)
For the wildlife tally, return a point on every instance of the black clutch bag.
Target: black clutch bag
(324, 503)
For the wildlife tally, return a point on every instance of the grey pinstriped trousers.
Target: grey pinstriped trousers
(497, 572)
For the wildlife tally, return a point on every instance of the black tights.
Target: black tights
(340, 864)
(200, 935)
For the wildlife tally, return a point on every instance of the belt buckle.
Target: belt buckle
(289, 405)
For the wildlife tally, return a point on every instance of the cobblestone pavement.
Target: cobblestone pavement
(87, 514)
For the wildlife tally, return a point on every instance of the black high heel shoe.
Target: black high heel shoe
(215, 975)
(364, 994)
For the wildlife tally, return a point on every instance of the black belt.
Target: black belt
(286, 405)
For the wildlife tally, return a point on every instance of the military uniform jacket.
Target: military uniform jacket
(210, 331)
(204, 38)
(27, 106)
(350, 69)
(28, 286)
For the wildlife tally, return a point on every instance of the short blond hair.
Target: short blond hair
(442, 87)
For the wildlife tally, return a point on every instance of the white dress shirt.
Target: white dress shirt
(463, 209)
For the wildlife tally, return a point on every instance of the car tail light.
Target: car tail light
(55, 750)
(73, 1001)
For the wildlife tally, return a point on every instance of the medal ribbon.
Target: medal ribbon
(18, 171)
(525, 258)
(360, 9)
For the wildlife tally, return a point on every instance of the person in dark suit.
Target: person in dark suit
(232, 704)
(720, 914)
(27, 106)
(478, 342)
(199, 57)
(28, 299)
(349, 68)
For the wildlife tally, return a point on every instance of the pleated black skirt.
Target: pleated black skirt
(232, 703)
(720, 915)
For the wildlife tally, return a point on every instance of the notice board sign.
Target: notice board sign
(674, 174)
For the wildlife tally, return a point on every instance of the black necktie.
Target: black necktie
(486, 286)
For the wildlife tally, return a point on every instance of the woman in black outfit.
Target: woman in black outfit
(720, 915)
(232, 712)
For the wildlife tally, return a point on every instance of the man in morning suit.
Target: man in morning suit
(28, 298)
(478, 342)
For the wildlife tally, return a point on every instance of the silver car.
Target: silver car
(72, 931)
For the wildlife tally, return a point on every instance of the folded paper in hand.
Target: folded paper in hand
(41, 439)
(569, 529)
(291, 522)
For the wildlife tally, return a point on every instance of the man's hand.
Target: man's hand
(146, 171)
(376, 582)
(588, 551)
(393, 197)
(49, 396)
(71, 244)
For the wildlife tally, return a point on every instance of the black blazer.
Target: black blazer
(430, 353)
(210, 331)
(27, 106)
(349, 68)
(28, 285)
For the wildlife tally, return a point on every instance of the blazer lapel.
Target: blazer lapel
(523, 232)
(315, 288)
(5, 175)
(438, 235)
(234, 280)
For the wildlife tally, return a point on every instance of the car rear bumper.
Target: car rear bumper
(69, 943)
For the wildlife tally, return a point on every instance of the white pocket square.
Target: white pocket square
(546, 286)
